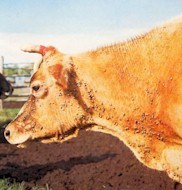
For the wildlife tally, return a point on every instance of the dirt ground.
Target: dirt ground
(92, 161)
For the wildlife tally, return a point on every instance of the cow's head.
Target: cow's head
(54, 105)
(5, 87)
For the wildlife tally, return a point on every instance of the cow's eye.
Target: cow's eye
(36, 88)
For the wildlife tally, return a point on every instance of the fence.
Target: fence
(18, 98)
(19, 76)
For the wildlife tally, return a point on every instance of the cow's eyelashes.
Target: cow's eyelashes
(36, 88)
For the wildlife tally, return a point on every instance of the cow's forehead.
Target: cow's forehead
(38, 76)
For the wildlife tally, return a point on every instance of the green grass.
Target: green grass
(5, 185)
(8, 114)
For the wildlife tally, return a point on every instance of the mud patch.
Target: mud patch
(92, 161)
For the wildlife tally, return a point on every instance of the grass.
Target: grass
(5, 185)
(8, 114)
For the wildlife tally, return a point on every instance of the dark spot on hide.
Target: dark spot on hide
(74, 90)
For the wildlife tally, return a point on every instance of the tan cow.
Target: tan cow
(132, 90)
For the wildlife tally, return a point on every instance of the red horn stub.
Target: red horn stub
(42, 50)
(38, 49)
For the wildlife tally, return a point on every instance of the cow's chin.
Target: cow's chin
(3, 96)
(19, 139)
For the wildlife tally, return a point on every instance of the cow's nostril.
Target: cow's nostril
(7, 133)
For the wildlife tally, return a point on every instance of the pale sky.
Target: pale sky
(76, 25)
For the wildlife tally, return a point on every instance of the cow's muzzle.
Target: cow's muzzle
(7, 93)
(13, 136)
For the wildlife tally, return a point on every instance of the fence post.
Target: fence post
(1, 71)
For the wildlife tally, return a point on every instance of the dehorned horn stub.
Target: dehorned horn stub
(35, 49)
(37, 64)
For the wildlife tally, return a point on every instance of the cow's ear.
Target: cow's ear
(60, 74)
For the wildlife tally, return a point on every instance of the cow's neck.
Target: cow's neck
(120, 80)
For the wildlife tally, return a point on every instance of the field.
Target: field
(92, 161)
(7, 115)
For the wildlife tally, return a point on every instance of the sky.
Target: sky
(76, 25)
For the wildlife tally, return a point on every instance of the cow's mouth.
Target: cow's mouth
(4, 95)
(16, 139)
(13, 136)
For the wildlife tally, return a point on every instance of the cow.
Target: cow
(5, 87)
(131, 90)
